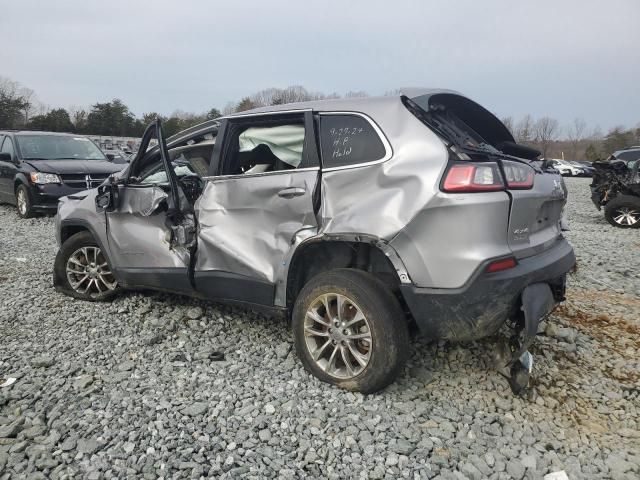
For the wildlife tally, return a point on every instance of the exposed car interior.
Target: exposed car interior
(268, 148)
(252, 149)
(190, 163)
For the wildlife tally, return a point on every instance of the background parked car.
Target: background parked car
(37, 168)
(626, 155)
(587, 169)
(567, 168)
(117, 156)
(616, 187)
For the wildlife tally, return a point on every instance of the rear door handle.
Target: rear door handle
(291, 192)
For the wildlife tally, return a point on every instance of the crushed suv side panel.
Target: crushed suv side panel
(246, 227)
(452, 235)
(442, 239)
(380, 199)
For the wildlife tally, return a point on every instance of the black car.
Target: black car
(616, 187)
(37, 168)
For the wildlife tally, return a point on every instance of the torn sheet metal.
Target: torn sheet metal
(247, 223)
(141, 201)
(139, 241)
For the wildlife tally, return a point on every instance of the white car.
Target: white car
(566, 168)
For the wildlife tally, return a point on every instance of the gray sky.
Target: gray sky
(564, 59)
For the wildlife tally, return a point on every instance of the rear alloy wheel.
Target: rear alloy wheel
(338, 335)
(23, 202)
(350, 330)
(82, 270)
(623, 211)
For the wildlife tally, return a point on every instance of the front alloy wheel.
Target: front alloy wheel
(623, 211)
(81, 269)
(626, 216)
(88, 272)
(23, 202)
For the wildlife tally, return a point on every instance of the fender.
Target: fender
(20, 179)
(308, 236)
(85, 225)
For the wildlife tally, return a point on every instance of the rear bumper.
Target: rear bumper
(481, 307)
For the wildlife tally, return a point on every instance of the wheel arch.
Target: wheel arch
(322, 253)
(70, 227)
(20, 179)
(68, 230)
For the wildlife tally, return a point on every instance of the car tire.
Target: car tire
(23, 202)
(623, 211)
(369, 339)
(81, 270)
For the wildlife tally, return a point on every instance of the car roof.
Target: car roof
(37, 132)
(357, 104)
(630, 149)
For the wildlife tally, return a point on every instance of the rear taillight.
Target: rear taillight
(500, 265)
(473, 177)
(518, 175)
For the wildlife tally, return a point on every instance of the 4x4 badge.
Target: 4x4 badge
(558, 191)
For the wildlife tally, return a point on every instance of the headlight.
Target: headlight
(39, 177)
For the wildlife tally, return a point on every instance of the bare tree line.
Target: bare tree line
(575, 141)
(20, 108)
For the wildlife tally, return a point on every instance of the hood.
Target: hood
(75, 166)
(485, 123)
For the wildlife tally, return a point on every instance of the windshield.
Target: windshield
(58, 147)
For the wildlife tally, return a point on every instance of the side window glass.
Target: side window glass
(632, 155)
(153, 173)
(264, 148)
(7, 146)
(348, 140)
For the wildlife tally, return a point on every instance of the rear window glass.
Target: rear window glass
(348, 140)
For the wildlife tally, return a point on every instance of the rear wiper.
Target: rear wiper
(35, 158)
(500, 154)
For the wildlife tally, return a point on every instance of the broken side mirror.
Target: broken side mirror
(107, 198)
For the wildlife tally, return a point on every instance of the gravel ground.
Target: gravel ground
(127, 389)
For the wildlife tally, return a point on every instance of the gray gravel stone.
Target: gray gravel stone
(126, 366)
(87, 445)
(195, 409)
(516, 469)
(43, 361)
(283, 349)
(11, 430)
(194, 313)
(83, 382)
(404, 447)
(69, 443)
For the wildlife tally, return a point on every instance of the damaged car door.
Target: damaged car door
(258, 199)
(150, 224)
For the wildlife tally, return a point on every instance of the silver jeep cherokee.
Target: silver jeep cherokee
(355, 218)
